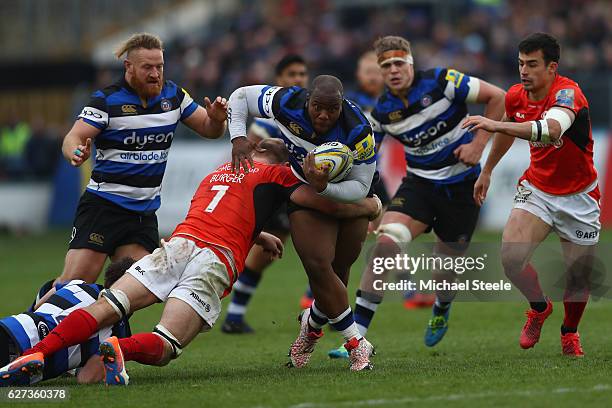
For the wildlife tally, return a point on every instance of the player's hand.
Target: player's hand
(481, 187)
(474, 123)
(375, 206)
(470, 153)
(81, 153)
(271, 245)
(316, 177)
(217, 110)
(242, 148)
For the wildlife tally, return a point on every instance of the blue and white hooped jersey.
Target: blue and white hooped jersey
(132, 147)
(428, 122)
(27, 329)
(287, 106)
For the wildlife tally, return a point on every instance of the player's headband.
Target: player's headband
(394, 55)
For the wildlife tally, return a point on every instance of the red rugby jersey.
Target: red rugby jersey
(230, 210)
(567, 166)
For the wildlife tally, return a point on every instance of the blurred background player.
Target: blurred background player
(327, 247)
(558, 192)
(23, 331)
(132, 125)
(424, 111)
(290, 71)
(195, 269)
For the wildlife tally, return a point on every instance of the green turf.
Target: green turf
(479, 363)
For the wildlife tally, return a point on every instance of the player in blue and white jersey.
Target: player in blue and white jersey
(326, 246)
(291, 70)
(23, 331)
(424, 110)
(132, 125)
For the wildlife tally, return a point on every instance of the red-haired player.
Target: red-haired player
(558, 192)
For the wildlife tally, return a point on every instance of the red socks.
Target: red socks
(145, 348)
(529, 285)
(76, 328)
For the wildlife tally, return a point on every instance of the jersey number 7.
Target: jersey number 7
(221, 190)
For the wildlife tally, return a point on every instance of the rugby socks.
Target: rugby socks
(345, 325)
(144, 348)
(243, 290)
(366, 304)
(76, 328)
(317, 319)
(439, 307)
(528, 283)
(573, 310)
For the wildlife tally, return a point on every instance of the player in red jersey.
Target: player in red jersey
(197, 267)
(558, 192)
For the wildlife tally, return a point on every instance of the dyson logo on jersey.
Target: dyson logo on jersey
(141, 141)
(427, 134)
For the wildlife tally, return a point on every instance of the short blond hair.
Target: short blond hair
(139, 40)
(391, 42)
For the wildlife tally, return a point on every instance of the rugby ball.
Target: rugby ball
(337, 156)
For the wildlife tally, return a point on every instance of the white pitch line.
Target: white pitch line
(451, 397)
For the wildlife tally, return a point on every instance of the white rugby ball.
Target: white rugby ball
(337, 156)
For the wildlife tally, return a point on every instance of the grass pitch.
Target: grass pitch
(479, 363)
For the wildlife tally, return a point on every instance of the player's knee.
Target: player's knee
(172, 347)
(394, 232)
(317, 265)
(118, 300)
(512, 261)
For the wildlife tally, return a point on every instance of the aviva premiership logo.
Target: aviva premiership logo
(365, 148)
(395, 116)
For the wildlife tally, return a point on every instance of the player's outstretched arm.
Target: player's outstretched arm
(209, 121)
(493, 98)
(76, 147)
(547, 130)
(244, 102)
(306, 196)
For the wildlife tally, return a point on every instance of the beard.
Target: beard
(147, 89)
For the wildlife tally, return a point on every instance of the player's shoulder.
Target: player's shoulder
(436, 75)
(291, 98)
(515, 94)
(562, 82)
(107, 91)
(352, 116)
(385, 105)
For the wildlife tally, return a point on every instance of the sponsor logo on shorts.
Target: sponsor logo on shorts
(200, 301)
(43, 330)
(522, 195)
(72, 235)
(586, 235)
(95, 238)
(140, 270)
(398, 201)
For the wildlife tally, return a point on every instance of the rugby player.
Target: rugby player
(327, 247)
(132, 125)
(291, 70)
(558, 192)
(424, 111)
(23, 331)
(195, 268)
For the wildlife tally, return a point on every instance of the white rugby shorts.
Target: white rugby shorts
(573, 217)
(183, 270)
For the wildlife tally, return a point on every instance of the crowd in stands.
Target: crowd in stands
(478, 37)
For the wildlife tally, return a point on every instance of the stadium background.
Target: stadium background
(55, 52)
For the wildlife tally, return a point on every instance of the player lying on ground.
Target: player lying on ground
(23, 331)
(559, 190)
(195, 269)
(308, 118)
